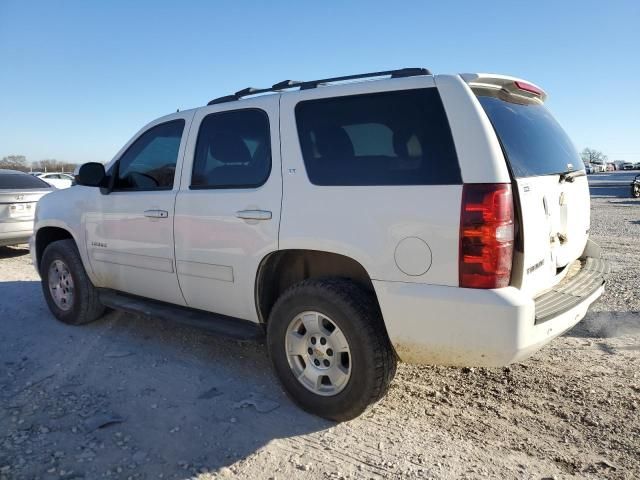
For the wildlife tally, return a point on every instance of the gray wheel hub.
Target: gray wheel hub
(318, 353)
(61, 285)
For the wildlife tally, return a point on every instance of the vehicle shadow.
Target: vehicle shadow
(628, 202)
(10, 252)
(621, 191)
(180, 400)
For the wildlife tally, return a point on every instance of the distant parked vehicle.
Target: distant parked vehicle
(627, 166)
(636, 166)
(58, 180)
(19, 193)
(610, 167)
(588, 168)
(635, 187)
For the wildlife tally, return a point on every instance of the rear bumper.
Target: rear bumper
(15, 233)
(431, 324)
(571, 291)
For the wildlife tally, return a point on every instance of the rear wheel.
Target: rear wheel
(329, 348)
(69, 293)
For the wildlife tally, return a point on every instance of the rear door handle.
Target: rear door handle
(254, 214)
(156, 213)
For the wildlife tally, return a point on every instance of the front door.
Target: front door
(130, 231)
(228, 207)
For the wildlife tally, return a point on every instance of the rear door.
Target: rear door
(228, 207)
(552, 189)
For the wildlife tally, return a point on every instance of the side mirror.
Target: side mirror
(91, 174)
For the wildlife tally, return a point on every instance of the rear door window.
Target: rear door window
(391, 138)
(233, 150)
(533, 141)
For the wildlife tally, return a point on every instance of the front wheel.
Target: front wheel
(329, 347)
(635, 190)
(69, 293)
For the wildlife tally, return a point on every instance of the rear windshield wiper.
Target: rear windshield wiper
(571, 175)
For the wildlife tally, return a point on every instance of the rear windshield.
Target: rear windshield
(391, 138)
(534, 142)
(16, 181)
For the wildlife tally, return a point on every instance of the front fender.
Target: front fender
(64, 209)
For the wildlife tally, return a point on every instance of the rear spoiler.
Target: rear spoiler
(502, 83)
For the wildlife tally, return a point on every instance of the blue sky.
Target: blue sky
(79, 78)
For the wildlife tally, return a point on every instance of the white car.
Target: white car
(428, 218)
(19, 194)
(58, 180)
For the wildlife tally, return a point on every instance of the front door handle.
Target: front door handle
(254, 214)
(156, 213)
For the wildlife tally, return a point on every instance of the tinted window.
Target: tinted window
(392, 138)
(233, 150)
(150, 163)
(534, 142)
(20, 181)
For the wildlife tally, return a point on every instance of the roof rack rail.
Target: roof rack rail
(305, 85)
(403, 72)
(286, 84)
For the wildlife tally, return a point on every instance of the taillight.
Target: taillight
(486, 235)
(527, 87)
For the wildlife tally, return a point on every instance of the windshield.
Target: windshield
(18, 181)
(533, 141)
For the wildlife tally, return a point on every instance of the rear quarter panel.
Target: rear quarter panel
(367, 223)
(479, 152)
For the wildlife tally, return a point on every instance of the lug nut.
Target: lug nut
(323, 341)
(310, 350)
(326, 363)
(313, 340)
(329, 352)
(316, 362)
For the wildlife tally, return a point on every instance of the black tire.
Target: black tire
(356, 313)
(635, 190)
(85, 306)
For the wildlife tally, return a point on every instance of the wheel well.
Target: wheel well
(47, 235)
(282, 269)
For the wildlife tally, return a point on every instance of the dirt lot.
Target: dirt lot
(130, 397)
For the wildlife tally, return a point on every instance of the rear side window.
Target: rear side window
(233, 150)
(533, 141)
(150, 162)
(17, 181)
(391, 138)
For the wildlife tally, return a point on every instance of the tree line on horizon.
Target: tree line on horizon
(591, 155)
(19, 162)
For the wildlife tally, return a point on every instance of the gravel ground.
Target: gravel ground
(131, 397)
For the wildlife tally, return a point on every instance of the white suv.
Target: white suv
(427, 218)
